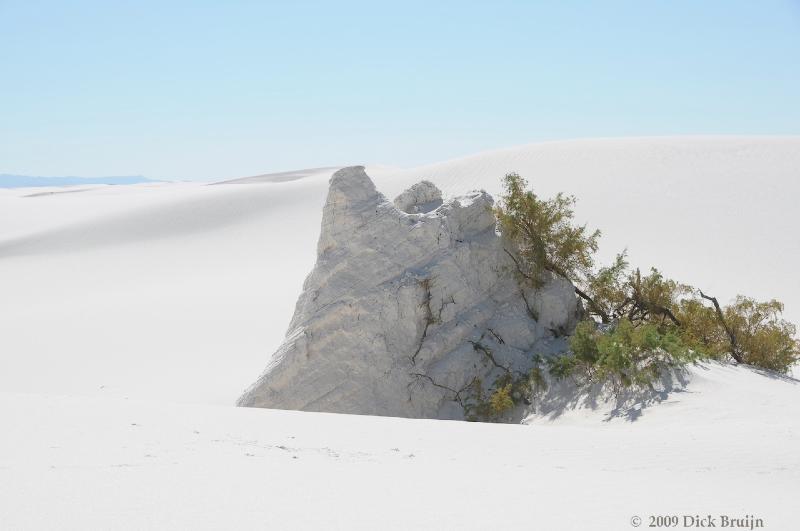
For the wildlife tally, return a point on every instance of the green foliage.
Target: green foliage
(653, 319)
(536, 381)
(608, 287)
(480, 407)
(562, 367)
(701, 329)
(653, 295)
(618, 292)
(506, 392)
(765, 339)
(584, 343)
(624, 355)
(544, 233)
(762, 338)
(501, 401)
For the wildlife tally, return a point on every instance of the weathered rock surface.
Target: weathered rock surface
(420, 198)
(404, 303)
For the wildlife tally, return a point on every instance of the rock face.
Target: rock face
(420, 198)
(408, 303)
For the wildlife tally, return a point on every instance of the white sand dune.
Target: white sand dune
(172, 292)
(728, 447)
(204, 278)
(284, 176)
(178, 293)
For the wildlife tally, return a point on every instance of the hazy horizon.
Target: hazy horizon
(18, 181)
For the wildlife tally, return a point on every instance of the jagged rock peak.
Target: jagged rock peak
(423, 197)
(402, 308)
(351, 185)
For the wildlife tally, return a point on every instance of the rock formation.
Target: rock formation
(408, 304)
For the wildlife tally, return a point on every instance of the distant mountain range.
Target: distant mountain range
(22, 181)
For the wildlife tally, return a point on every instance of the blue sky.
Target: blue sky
(203, 90)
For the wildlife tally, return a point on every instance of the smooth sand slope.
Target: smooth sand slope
(179, 293)
(728, 446)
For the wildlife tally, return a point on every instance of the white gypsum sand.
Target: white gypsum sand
(178, 293)
(725, 446)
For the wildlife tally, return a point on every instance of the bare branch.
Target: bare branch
(596, 307)
(735, 353)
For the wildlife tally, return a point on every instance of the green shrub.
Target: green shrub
(544, 234)
(506, 392)
(536, 382)
(623, 355)
(501, 401)
(763, 338)
(561, 367)
(754, 329)
(652, 321)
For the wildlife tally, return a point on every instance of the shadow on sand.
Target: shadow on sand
(773, 375)
(628, 404)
